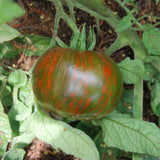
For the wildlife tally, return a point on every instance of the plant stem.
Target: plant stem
(136, 157)
(138, 100)
(138, 103)
(4, 84)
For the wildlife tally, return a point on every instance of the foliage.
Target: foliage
(120, 132)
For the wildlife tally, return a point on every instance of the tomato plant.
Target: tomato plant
(124, 132)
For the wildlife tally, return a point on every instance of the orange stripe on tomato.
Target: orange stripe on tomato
(72, 94)
(81, 100)
(90, 59)
(87, 103)
(101, 98)
(49, 75)
(103, 88)
(44, 59)
(70, 106)
(107, 71)
(76, 111)
(41, 86)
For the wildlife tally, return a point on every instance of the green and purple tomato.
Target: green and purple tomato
(82, 85)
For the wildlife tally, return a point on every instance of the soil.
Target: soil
(39, 20)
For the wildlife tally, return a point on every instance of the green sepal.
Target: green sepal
(91, 43)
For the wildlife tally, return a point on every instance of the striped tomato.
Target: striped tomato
(77, 84)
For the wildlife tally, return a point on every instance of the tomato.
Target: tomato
(81, 85)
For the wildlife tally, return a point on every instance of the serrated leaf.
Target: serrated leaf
(155, 98)
(14, 154)
(61, 135)
(151, 40)
(132, 135)
(132, 70)
(125, 23)
(7, 33)
(17, 78)
(9, 10)
(5, 131)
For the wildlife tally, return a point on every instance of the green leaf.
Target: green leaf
(19, 111)
(13, 112)
(154, 60)
(61, 135)
(87, 127)
(7, 33)
(26, 94)
(150, 72)
(118, 114)
(17, 78)
(7, 100)
(14, 154)
(132, 70)
(155, 98)
(150, 158)
(37, 44)
(156, 63)
(107, 153)
(6, 90)
(151, 40)
(125, 104)
(22, 140)
(5, 131)
(157, 1)
(9, 10)
(7, 50)
(125, 23)
(132, 135)
(5, 97)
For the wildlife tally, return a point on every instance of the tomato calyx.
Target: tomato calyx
(79, 41)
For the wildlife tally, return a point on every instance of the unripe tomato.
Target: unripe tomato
(81, 85)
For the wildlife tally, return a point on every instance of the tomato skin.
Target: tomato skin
(81, 85)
